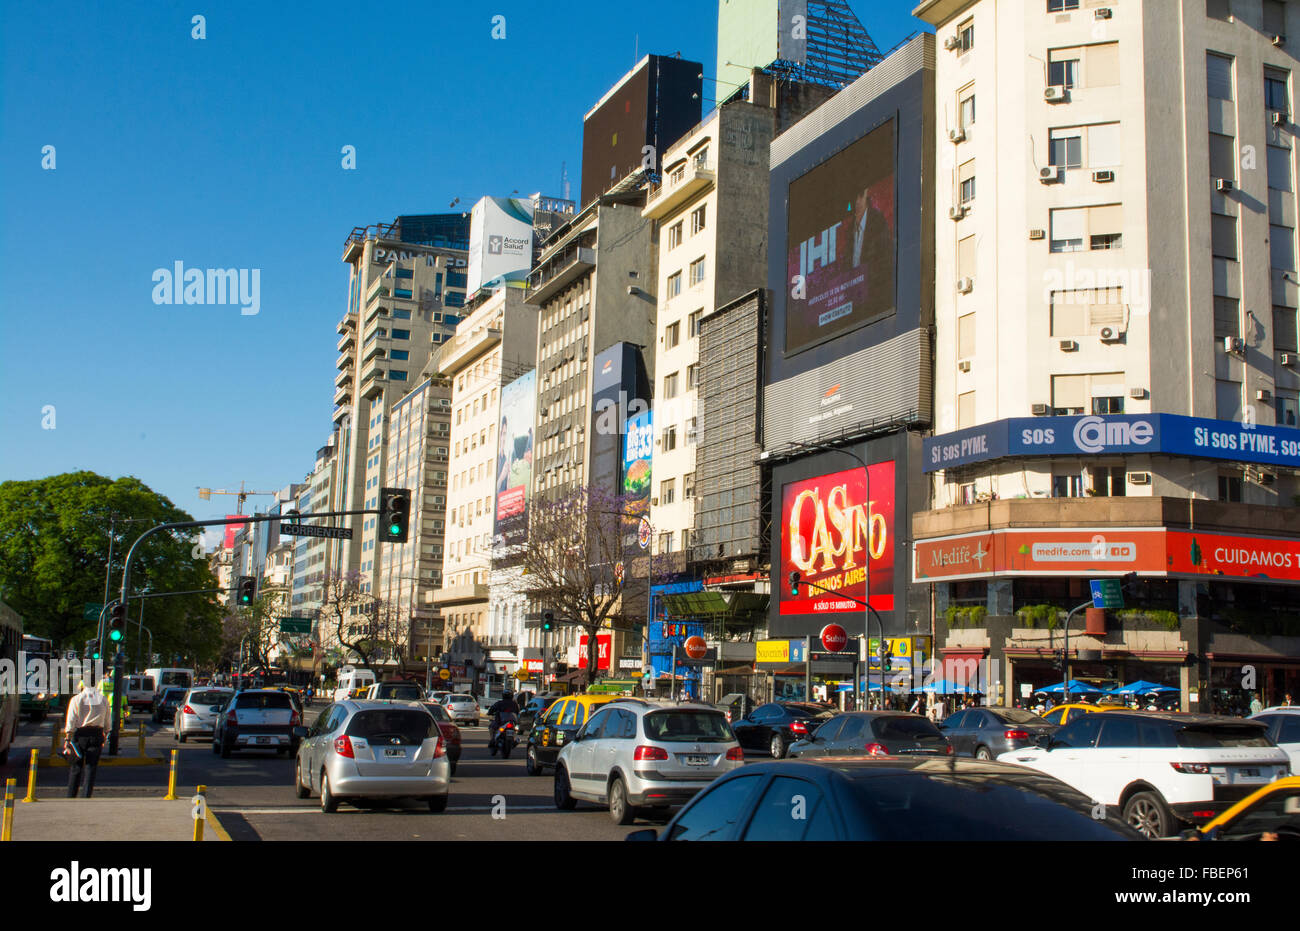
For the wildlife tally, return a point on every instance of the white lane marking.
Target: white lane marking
(305, 810)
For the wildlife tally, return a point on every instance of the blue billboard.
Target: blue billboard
(1166, 434)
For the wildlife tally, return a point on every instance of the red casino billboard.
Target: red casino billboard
(838, 539)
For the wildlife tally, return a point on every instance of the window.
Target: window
(1218, 9)
(1223, 156)
(1279, 169)
(966, 111)
(1227, 400)
(698, 218)
(693, 324)
(1067, 229)
(791, 810)
(1061, 6)
(965, 336)
(395, 375)
(1223, 237)
(1285, 336)
(965, 410)
(1281, 240)
(1101, 227)
(1110, 404)
(1109, 482)
(1275, 95)
(400, 355)
(1227, 318)
(668, 441)
(1068, 394)
(1062, 72)
(688, 486)
(1106, 241)
(401, 314)
(1288, 408)
(1065, 149)
(401, 334)
(1067, 486)
(668, 491)
(692, 376)
(675, 235)
(1218, 76)
(672, 335)
(670, 385)
(966, 257)
(665, 542)
(715, 814)
(1230, 488)
(1274, 18)
(966, 182)
(674, 284)
(692, 432)
(697, 271)
(966, 36)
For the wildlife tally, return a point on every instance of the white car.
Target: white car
(1159, 768)
(463, 709)
(1283, 722)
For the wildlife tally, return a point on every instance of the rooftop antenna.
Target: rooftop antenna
(564, 179)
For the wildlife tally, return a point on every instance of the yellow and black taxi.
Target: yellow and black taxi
(554, 729)
(1271, 812)
(1064, 714)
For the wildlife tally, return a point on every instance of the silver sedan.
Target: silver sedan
(463, 709)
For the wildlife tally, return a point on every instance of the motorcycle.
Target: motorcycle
(506, 735)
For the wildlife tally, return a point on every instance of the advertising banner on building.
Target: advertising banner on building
(500, 243)
(840, 243)
(603, 643)
(838, 539)
(515, 459)
(232, 530)
(638, 449)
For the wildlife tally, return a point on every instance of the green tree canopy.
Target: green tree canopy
(54, 547)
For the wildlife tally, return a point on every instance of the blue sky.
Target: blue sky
(225, 152)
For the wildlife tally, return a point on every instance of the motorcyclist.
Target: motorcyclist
(505, 706)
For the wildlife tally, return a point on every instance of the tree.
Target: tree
(578, 543)
(360, 622)
(251, 630)
(54, 545)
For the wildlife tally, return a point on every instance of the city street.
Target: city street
(252, 795)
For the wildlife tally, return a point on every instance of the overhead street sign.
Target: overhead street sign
(91, 611)
(1107, 593)
(295, 625)
(307, 530)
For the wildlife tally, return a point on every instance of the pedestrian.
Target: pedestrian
(84, 731)
(1256, 706)
(1287, 701)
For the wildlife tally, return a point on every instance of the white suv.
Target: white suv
(1159, 768)
(1283, 723)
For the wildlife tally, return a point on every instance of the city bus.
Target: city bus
(36, 703)
(11, 636)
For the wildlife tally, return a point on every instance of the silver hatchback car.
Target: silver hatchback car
(373, 749)
(197, 714)
(634, 754)
(462, 709)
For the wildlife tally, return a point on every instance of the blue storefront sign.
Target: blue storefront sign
(1166, 434)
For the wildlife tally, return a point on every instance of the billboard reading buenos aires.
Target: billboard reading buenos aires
(840, 239)
(515, 459)
(833, 537)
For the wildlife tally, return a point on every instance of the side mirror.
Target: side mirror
(647, 834)
(300, 733)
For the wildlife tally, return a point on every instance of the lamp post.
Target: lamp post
(1065, 653)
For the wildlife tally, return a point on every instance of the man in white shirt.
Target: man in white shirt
(84, 732)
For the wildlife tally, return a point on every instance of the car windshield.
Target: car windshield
(682, 725)
(905, 728)
(439, 713)
(392, 725)
(1017, 716)
(410, 692)
(991, 806)
(211, 697)
(263, 701)
(1208, 736)
(460, 699)
(816, 712)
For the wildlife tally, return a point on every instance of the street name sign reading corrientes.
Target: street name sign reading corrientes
(307, 530)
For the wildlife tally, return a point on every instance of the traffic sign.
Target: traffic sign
(308, 530)
(834, 637)
(696, 647)
(91, 611)
(295, 625)
(444, 674)
(1107, 593)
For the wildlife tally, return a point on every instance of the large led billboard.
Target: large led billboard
(515, 459)
(839, 534)
(840, 242)
(500, 243)
(638, 450)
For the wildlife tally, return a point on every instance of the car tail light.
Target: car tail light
(188, 710)
(799, 727)
(650, 753)
(343, 747)
(1192, 769)
(875, 749)
(294, 719)
(439, 749)
(232, 718)
(947, 748)
(735, 753)
(1016, 735)
(1204, 814)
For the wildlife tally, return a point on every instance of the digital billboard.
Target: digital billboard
(638, 449)
(500, 243)
(836, 537)
(840, 242)
(515, 459)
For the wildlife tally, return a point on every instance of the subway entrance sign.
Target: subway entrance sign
(1107, 593)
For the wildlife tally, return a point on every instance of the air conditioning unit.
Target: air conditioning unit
(1110, 334)
(1263, 394)
(1279, 40)
(1104, 176)
(1138, 478)
(1054, 93)
(1039, 410)
(1138, 393)
(1069, 345)
(951, 43)
(957, 135)
(1279, 118)
(964, 285)
(1049, 174)
(963, 365)
(1234, 344)
(1037, 234)
(1287, 358)
(956, 213)
(1103, 13)
(1223, 184)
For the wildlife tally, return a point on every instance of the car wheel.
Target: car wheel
(777, 747)
(301, 790)
(619, 808)
(328, 803)
(1146, 812)
(982, 753)
(531, 763)
(563, 800)
(437, 803)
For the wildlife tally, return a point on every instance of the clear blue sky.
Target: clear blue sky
(225, 152)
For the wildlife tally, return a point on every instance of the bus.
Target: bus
(36, 704)
(11, 636)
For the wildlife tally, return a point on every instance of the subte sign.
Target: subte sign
(834, 638)
(696, 647)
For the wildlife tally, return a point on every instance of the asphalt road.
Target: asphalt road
(252, 794)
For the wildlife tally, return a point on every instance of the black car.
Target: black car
(985, 732)
(164, 709)
(775, 726)
(874, 733)
(914, 798)
(532, 711)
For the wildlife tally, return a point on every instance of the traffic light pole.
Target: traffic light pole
(871, 612)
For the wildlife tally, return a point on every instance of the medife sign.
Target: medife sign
(837, 539)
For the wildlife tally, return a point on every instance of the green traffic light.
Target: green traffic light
(394, 529)
(115, 635)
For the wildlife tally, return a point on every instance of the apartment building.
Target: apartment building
(312, 555)
(1115, 356)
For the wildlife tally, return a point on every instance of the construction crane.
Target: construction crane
(205, 494)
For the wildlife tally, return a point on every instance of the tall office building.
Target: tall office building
(1115, 354)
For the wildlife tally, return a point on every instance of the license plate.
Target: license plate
(263, 740)
(692, 759)
(392, 752)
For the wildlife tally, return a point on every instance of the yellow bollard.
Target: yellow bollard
(31, 779)
(171, 781)
(201, 805)
(7, 819)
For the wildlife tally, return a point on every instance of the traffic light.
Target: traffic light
(394, 514)
(1058, 661)
(116, 621)
(548, 621)
(794, 584)
(246, 590)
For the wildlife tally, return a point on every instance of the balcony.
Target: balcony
(559, 271)
(347, 324)
(347, 340)
(343, 402)
(680, 184)
(378, 288)
(344, 362)
(372, 380)
(460, 594)
(343, 378)
(465, 346)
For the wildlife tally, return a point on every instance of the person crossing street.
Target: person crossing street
(84, 732)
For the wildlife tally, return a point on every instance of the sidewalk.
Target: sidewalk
(136, 819)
